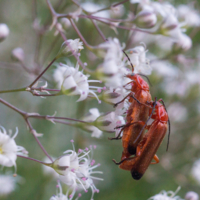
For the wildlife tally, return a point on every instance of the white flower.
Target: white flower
(91, 117)
(18, 54)
(76, 169)
(60, 196)
(192, 18)
(117, 11)
(8, 184)
(112, 70)
(47, 170)
(195, 172)
(8, 149)
(183, 42)
(93, 7)
(4, 32)
(138, 58)
(146, 18)
(66, 24)
(163, 195)
(70, 47)
(114, 96)
(74, 82)
(108, 121)
(191, 196)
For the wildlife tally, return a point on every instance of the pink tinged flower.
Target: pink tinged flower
(60, 196)
(74, 82)
(70, 47)
(146, 18)
(195, 171)
(4, 32)
(47, 170)
(138, 59)
(170, 195)
(191, 196)
(76, 171)
(114, 96)
(112, 70)
(18, 54)
(183, 43)
(91, 117)
(8, 149)
(192, 18)
(8, 184)
(108, 121)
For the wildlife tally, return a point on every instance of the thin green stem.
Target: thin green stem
(28, 158)
(13, 90)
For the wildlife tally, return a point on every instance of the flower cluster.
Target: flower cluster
(61, 196)
(74, 82)
(164, 19)
(76, 169)
(170, 195)
(8, 149)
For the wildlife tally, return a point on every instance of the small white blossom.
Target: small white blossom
(138, 58)
(192, 18)
(74, 82)
(18, 54)
(49, 171)
(191, 196)
(70, 47)
(184, 43)
(76, 169)
(4, 32)
(163, 195)
(93, 7)
(117, 11)
(66, 23)
(8, 184)
(146, 18)
(91, 117)
(112, 70)
(60, 196)
(8, 149)
(195, 172)
(114, 96)
(75, 14)
(109, 121)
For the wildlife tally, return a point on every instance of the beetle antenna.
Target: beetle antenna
(146, 78)
(168, 124)
(129, 60)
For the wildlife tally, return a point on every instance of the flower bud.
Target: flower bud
(90, 117)
(4, 32)
(114, 96)
(146, 19)
(191, 196)
(108, 122)
(61, 164)
(65, 22)
(18, 54)
(69, 47)
(169, 24)
(184, 43)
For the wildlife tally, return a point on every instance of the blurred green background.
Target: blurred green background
(175, 165)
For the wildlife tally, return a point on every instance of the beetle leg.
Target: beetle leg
(156, 159)
(115, 105)
(119, 163)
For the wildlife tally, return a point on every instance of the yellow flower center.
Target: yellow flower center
(1, 150)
